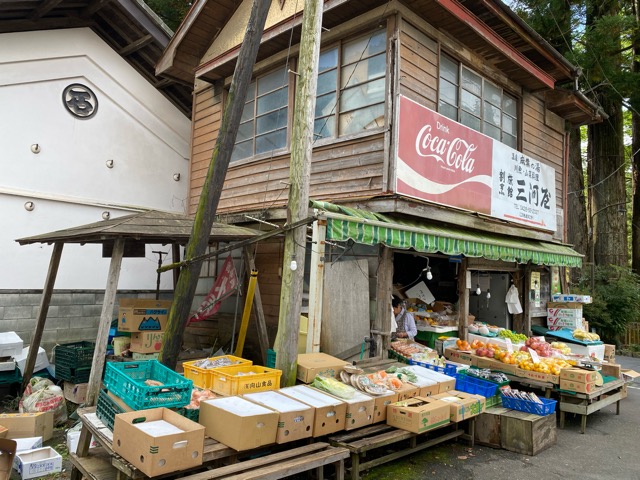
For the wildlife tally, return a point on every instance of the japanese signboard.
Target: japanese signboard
(442, 161)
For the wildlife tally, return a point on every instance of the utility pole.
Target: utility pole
(212, 189)
(286, 344)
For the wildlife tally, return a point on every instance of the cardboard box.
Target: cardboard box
(296, 418)
(73, 437)
(381, 402)
(146, 342)
(575, 386)
(359, 411)
(24, 444)
(158, 440)
(142, 315)
(462, 406)
(145, 356)
(611, 370)
(418, 414)
(10, 344)
(441, 344)
(493, 364)
(541, 377)
(609, 353)
(330, 414)
(444, 382)
(457, 356)
(7, 454)
(578, 375)
(558, 323)
(42, 361)
(627, 375)
(38, 462)
(239, 423)
(7, 365)
(75, 392)
(22, 425)
(312, 364)
(3, 431)
(407, 391)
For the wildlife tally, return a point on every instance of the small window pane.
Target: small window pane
(324, 127)
(326, 104)
(491, 130)
(328, 82)
(242, 150)
(470, 121)
(271, 141)
(471, 103)
(448, 111)
(448, 92)
(471, 82)
(510, 106)
(273, 100)
(271, 121)
(245, 131)
(360, 120)
(509, 124)
(272, 81)
(247, 112)
(364, 47)
(491, 114)
(510, 140)
(366, 94)
(328, 59)
(492, 94)
(363, 71)
(449, 70)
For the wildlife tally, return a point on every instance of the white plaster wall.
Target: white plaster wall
(135, 126)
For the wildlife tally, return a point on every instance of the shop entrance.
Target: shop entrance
(489, 305)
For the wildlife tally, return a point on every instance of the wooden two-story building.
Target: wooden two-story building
(440, 154)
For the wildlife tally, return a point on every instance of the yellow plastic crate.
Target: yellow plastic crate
(201, 377)
(245, 379)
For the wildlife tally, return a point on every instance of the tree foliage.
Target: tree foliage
(170, 11)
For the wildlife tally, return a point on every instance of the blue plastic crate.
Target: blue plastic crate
(271, 358)
(447, 369)
(547, 406)
(127, 380)
(469, 384)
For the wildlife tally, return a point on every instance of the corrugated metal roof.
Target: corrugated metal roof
(148, 227)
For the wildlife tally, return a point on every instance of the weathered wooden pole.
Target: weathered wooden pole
(286, 344)
(212, 188)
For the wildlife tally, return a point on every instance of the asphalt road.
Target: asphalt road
(609, 449)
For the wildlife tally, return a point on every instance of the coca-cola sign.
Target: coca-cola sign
(442, 161)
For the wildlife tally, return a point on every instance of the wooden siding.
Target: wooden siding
(418, 77)
(268, 263)
(542, 142)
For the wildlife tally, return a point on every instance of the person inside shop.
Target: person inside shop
(406, 324)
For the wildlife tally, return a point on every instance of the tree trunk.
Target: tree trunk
(576, 212)
(635, 148)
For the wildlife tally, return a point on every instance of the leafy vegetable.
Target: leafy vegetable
(333, 386)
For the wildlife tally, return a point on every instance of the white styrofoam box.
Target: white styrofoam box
(42, 361)
(8, 366)
(39, 462)
(73, 437)
(10, 344)
(23, 444)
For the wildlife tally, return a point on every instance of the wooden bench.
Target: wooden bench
(363, 440)
(585, 404)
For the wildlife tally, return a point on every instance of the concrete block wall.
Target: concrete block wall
(73, 315)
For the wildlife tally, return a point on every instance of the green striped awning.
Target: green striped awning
(370, 228)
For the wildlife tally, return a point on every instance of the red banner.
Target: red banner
(224, 286)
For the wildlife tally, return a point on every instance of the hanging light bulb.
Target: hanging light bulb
(488, 294)
(478, 291)
(429, 274)
(294, 264)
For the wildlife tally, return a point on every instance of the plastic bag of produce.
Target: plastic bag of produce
(333, 386)
(44, 400)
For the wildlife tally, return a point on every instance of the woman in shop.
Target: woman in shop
(406, 324)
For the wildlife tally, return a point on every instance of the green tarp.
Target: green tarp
(370, 228)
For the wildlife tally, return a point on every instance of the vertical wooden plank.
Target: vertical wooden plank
(175, 255)
(54, 263)
(261, 324)
(463, 298)
(316, 284)
(384, 289)
(97, 366)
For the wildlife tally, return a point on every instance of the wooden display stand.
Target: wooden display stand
(586, 403)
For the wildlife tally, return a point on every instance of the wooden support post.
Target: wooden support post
(261, 324)
(246, 313)
(175, 255)
(384, 290)
(97, 366)
(463, 299)
(286, 344)
(316, 284)
(54, 263)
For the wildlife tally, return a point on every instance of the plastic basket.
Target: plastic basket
(240, 379)
(271, 358)
(9, 377)
(494, 401)
(469, 384)
(499, 384)
(201, 377)
(74, 355)
(395, 355)
(192, 414)
(107, 409)
(127, 380)
(447, 369)
(545, 408)
(73, 375)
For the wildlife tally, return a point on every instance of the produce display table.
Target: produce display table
(384, 437)
(547, 387)
(104, 464)
(586, 403)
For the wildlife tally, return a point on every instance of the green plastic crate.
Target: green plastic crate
(73, 375)
(494, 401)
(107, 409)
(74, 355)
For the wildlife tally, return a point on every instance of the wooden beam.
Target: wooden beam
(261, 324)
(316, 285)
(44, 8)
(97, 366)
(54, 263)
(24, 25)
(135, 46)
(93, 7)
(384, 290)
(463, 299)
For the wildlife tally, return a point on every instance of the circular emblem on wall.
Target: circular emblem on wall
(80, 100)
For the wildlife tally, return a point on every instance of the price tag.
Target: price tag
(509, 345)
(534, 356)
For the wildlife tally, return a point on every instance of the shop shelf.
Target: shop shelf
(127, 380)
(107, 409)
(469, 384)
(74, 355)
(447, 369)
(545, 408)
(202, 377)
(245, 379)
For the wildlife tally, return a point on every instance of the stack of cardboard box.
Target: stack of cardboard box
(146, 320)
(579, 380)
